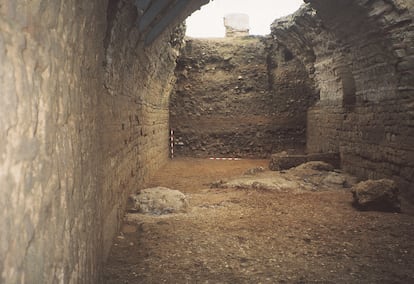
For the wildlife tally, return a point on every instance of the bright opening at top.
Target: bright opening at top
(208, 22)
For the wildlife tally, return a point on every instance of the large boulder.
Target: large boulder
(378, 195)
(158, 201)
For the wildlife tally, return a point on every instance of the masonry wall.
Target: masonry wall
(83, 114)
(133, 108)
(83, 122)
(241, 97)
(364, 71)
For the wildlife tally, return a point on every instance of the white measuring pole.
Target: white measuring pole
(172, 143)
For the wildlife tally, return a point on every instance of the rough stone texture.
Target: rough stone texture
(83, 114)
(379, 195)
(244, 97)
(134, 108)
(284, 160)
(83, 121)
(328, 157)
(254, 171)
(50, 206)
(310, 176)
(158, 201)
(364, 72)
(316, 166)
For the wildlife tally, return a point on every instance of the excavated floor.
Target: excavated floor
(260, 235)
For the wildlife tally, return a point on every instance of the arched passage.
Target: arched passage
(84, 113)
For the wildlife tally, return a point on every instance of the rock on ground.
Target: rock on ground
(310, 176)
(315, 166)
(284, 160)
(254, 171)
(378, 195)
(158, 201)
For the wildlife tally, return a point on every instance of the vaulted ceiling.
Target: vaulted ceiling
(156, 15)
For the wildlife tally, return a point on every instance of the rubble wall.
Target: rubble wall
(242, 97)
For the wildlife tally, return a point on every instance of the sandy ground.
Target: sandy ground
(259, 236)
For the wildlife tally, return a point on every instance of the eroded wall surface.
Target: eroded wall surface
(134, 108)
(241, 97)
(50, 82)
(362, 57)
(83, 114)
(83, 122)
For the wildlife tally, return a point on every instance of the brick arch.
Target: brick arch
(370, 65)
(359, 55)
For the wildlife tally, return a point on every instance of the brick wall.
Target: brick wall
(133, 109)
(83, 122)
(364, 72)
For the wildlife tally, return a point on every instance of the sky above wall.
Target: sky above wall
(208, 22)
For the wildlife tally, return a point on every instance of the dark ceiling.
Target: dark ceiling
(157, 15)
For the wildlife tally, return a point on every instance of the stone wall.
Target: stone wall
(364, 70)
(134, 108)
(83, 122)
(242, 97)
(50, 211)
(84, 113)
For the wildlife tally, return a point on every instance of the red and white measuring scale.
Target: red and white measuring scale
(213, 158)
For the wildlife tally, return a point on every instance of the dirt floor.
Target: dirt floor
(260, 236)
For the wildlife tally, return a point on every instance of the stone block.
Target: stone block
(377, 195)
(283, 160)
(158, 201)
(220, 110)
(330, 158)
